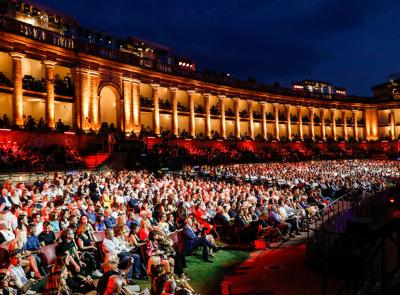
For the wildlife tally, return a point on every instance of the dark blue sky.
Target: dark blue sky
(353, 43)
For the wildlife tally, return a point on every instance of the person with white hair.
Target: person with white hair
(6, 233)
(112, 282)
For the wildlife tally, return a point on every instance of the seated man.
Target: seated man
(47, 236)
(276, 220)
(17, 274)
(115, 246)
(193, 240)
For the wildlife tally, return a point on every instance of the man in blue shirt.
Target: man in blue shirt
(32, 242)
(91, 214)
(33, 245)
(278, 222)
(109, 220)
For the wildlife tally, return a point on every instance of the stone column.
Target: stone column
(76, 112)
(192, 122)
(276, 115)
(18, 102)
(312, 129)
(323, 131)
(223, 123)
(392, 124)
(207, 123)
(137, 122)
(288, 123)
(264, 120)
(237, 117)
(94, 101)
(251, 119)
(156, 109)
(300, 121)
(174, 117)
(85, 98)
(367, 124)
(344, 124)
(355, 125)
(333, 113)
(49, 103)
(127, 92)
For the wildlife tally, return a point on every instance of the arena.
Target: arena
(125, 170)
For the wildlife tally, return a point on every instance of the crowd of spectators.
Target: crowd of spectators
(166, 154)
(32, 124)
(121, 227)
(61, 86)
(14, 156)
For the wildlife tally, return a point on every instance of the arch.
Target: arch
(110, 104)
(112, 85)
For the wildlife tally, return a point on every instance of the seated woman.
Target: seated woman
(85, 242)
(203, 218)
(134, 236)
(54, 222)
(6, 233)
(153, 252)
(100, 225)
(144, 230)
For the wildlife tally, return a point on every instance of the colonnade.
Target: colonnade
(87, 113)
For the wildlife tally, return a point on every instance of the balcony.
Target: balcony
(50, 37)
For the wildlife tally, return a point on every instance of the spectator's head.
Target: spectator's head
(68, 234)
(15, 257)
(109, 233)
(84, 219)
(110, 262)
(47, 227)
(37, 218)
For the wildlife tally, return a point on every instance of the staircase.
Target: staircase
(92, 161)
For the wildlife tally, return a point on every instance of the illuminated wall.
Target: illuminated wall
(32, 67)
(383, 116)
(200, 127)
(6, 105)
(230, 128)
(164, 94)
(183, 123)
(34, 107)
(182, 98)
(63, 111)
(108, 105)
(198, 100)
(147, 120)
(62, 71)
(244, 128)
(216, 125)
(257, 129)
(6, 65)
(165, 122)
(145, 90)
(242, 105)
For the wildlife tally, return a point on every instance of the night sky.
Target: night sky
(353, 43)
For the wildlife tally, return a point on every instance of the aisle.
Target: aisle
(275, 272)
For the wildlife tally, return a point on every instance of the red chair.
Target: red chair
(49, 255)
(99, 236)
